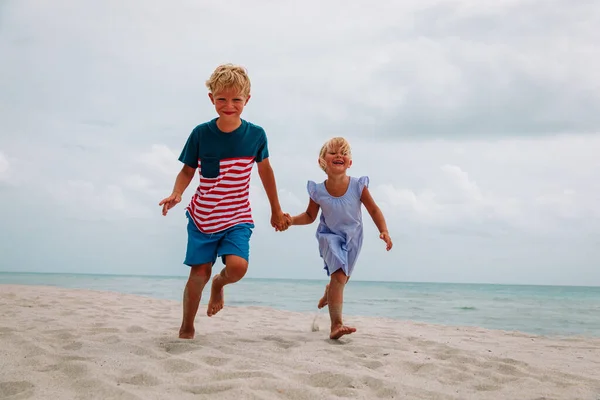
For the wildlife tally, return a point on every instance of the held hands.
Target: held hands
(288, 220)
(169, 202)
(280, 221)
(385, 236)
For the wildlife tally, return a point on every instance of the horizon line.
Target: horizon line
(298, 279)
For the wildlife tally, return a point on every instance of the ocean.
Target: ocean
(541, 310)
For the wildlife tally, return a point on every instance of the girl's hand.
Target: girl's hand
(385, 236)
(288, 219)
(279, 221)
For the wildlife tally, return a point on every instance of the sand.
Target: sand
(80, 344)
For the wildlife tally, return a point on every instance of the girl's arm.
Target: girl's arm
(308, 216)
(377, 216)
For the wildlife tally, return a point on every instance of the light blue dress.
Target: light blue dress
(340, 231)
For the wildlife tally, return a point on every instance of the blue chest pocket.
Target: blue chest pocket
(210, 166)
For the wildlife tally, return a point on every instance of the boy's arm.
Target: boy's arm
(184, 177)
(265, 171)
(377, 216)
(308, 216)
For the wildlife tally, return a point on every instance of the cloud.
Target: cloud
(84, 200)
(137, 182)
(161, 159)
(4, 167)
(416, 69)
(454, 110)
(464, 69)
(456, 202)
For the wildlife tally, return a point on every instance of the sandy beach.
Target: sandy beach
(80, 344)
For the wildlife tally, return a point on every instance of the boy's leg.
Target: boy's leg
(201, 254)
(234, 248)
(235, 269)
(335, 299)
(199, 275)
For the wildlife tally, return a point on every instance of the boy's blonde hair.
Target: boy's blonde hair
(336, 143)
(227, 76)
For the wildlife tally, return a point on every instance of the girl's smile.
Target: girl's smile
(337, 161)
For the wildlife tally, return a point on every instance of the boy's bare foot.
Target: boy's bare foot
(187, 333)
(216, 303)
(323, 301)
(337, 331)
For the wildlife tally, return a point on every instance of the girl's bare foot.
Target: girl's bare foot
(216, 303)
(186, 333)
(337, 331)
(323, 301)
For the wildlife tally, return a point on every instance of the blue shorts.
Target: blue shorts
(204, 248)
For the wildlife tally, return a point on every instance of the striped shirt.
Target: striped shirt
(224, 162)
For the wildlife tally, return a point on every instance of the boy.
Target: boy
(219, 215)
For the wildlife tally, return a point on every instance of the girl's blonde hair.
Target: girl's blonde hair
(228, 76)
(336, 143)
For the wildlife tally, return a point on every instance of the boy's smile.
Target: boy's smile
(229, 103)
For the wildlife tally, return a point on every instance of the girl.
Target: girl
(340, 231)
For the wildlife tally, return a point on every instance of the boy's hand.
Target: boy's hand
(385, 236)
(278, 221)
(169, 202)
(287, 222)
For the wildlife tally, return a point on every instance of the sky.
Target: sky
(478, 124)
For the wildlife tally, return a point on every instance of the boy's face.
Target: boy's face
(229, 103)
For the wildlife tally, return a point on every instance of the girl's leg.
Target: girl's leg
(335, 300)
(323, 301)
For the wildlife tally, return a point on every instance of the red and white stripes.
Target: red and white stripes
(221, 202)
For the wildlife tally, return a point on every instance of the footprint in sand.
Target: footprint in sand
(379, 388)
(178, 347)
(106, 390)
(61, 334)
(8, 389)
(73, 346)
(110, 339)
(180, 366)
(282, 343)
(328, 380)
(243, 375)
(106, 330)
(208, 389)
(135, 329)
(372, 364)
(142, 379)
(346, 386)
(486, 387)
(215, 361)
(143, 351)
(72, 368)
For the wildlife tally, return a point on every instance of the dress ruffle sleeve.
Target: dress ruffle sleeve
(311, 188)
(363, 182)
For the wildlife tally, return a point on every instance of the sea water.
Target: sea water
(544, 310)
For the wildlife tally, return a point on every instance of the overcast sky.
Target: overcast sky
(477, 123)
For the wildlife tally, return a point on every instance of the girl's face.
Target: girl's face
(337, 161)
